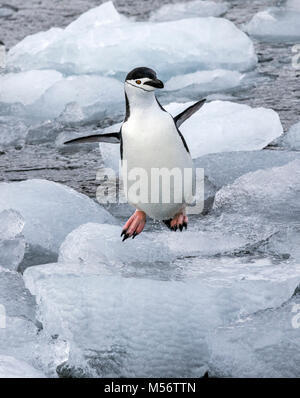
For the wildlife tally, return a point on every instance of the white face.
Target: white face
(140, 84)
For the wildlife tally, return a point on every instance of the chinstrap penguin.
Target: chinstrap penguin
(150, 140)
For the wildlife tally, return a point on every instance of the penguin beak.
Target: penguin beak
(155, 83)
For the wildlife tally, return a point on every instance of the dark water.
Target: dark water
(277, 84)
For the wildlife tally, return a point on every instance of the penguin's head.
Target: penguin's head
(143, 79)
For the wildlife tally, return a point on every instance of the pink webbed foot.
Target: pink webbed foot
(179, 221)
(134, 226)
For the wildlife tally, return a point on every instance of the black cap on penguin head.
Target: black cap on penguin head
(141, 72)
(145, 78)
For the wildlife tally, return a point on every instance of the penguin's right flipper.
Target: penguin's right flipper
(183, 116)
(112, 138)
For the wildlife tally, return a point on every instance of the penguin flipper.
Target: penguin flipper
(183, 116)
(112, 138)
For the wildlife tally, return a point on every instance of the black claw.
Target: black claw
(168, 223)
(184, 225)
(123, 232)
(175, 228)
(126, 236)
(134, 235)
(181, 227)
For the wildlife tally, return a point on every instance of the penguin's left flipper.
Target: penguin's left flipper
(183, 116)
(112, 138)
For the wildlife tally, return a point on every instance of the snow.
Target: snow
(50, 210)
(12, 243)
(96, 42)
(275, 24)
(11, 367)
(191, 9)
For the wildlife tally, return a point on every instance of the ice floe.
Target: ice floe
(276, 24)
(98, 39)
(20, 333)
(273, 193)
(26, 87)
(11, 367)
(46, 93)
(133, 327)
(93, 243)
(225, 167)
(222, 126)
(12, 243)
(13, 132)
(132, 297)
(191, 9)
(205, 81)
(291, 139)
(50, 210)
(263, 344)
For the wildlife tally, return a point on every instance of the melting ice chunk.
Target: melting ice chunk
(19, 335)
(84, 90)
(212, 81)
(12, 244)
(273, 193)
(223, 126)
(50, 210)
(133, 321)
(99, 39)
(264, 344)
(223, 168)
(191, 9)
(94, 243)
(26, 87)
(46, 93)
(11, 367)
(290, 140)
(12, 132)
(275, 24)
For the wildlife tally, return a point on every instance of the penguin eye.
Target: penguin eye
(138, 82)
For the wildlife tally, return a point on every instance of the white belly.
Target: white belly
(152, 147)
